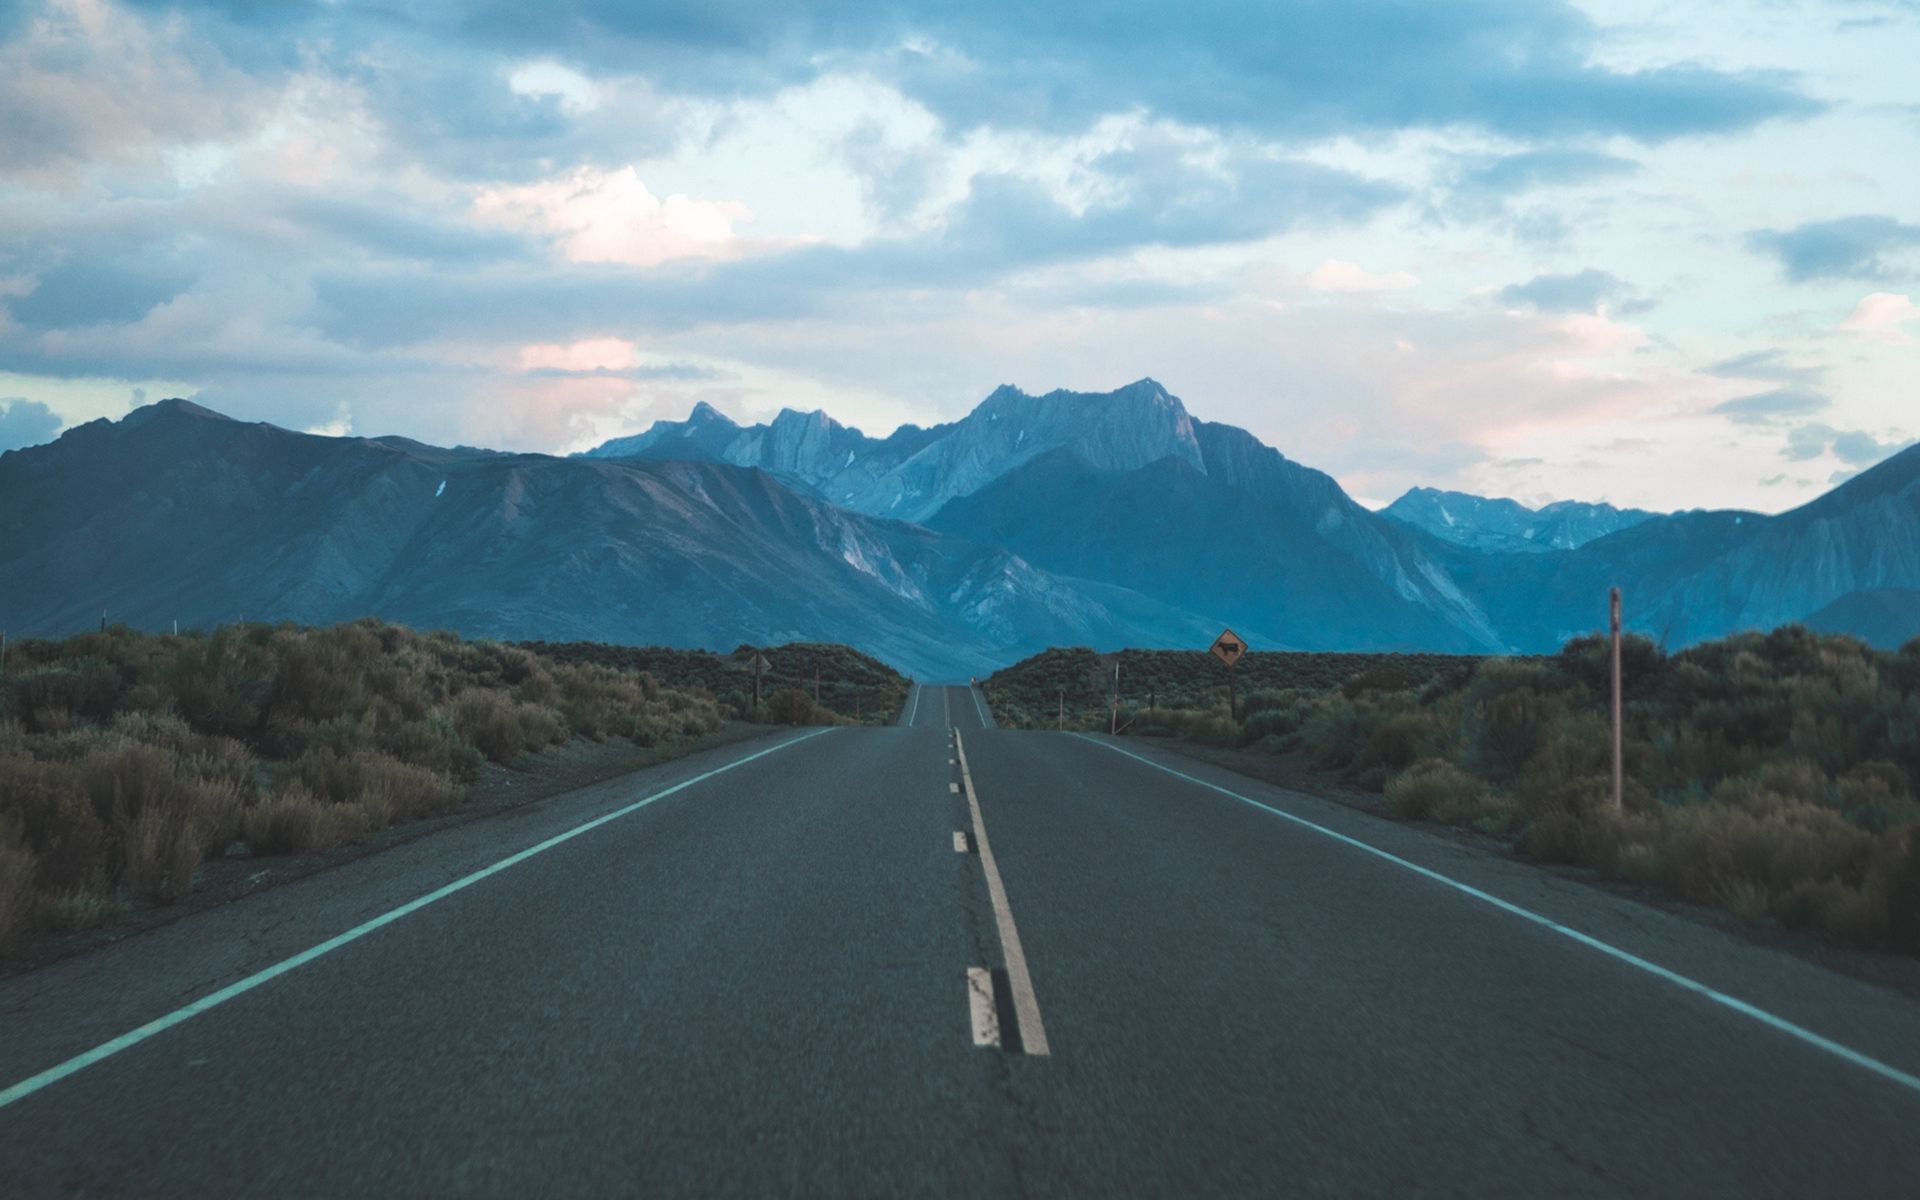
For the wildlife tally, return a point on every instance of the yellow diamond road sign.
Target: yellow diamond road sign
(1228, 647)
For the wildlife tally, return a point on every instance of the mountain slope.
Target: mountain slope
(178, 513)
(1199, 544)
(1702, 575)
(1507, 525)
(1887, 618)
(1303, 514)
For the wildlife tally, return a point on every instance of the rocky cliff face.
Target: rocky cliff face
(912, 473)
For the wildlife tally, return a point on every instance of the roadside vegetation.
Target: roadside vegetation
(1771, 775)
(854, 687)
(126, 759)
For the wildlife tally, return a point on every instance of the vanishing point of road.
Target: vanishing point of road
(946, 959)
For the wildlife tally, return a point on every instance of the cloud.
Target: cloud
(1336, 275)
(1485, 177)
(26, 422)
(339, 425)
(1769, 365)
(591, 354)
(1854, 447)
(163, 89)
(574, 91)
(1519, 68)
(610, 217)
(1582, 292)
(1764, 407)
(1879, 316)
(1844, 248)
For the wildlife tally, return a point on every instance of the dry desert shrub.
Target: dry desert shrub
(16, 882)
(125, 758)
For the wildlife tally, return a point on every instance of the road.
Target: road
(794, 966)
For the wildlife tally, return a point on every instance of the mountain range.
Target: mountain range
(1508, 525)
(1101, 519)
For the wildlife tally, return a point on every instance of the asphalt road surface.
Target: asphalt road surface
(796, 966)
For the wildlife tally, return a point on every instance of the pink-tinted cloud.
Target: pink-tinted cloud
(611, 217)
(587, 355)
(86, 83)
(1337, 275)
(1880, 315)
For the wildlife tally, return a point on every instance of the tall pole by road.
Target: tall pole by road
(1619, 757)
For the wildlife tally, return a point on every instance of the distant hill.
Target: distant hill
(1886, 618)
(1508, 525)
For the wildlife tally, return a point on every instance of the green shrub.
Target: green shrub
(1508, 709)
(1399, 740)
(435, 744)
(791, 706)
(48, 698)
(1434, 789)
(1334, 732)
(1269, 722)
(221, 683)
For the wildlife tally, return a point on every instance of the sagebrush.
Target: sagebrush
(1769, 774)
(127, 758)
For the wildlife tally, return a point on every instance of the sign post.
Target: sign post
(1619, 757)
(1229, 649)
(760, 665)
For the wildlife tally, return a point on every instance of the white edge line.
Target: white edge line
(1734, 1003)
(916, 706)
(986, 1021)
(1026, 1006)
(977, 706)
(79, 1062)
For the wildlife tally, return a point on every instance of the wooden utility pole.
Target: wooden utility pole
(1113, 717)
(1063, 710)
(1619, 756)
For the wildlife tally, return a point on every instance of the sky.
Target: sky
(1655, 254)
